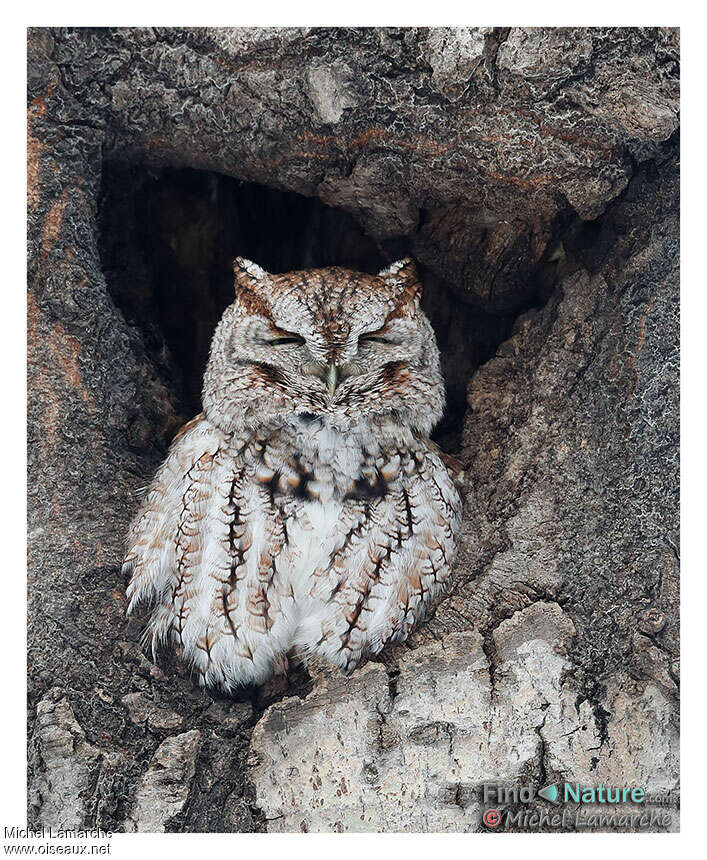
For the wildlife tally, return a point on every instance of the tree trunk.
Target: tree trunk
(533, 173)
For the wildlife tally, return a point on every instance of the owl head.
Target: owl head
(327, 343)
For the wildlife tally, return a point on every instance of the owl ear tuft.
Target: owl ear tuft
(403, 273)
(248, 274)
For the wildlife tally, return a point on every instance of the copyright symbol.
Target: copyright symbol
(491, 818)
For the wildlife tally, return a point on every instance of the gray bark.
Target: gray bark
(533, 173)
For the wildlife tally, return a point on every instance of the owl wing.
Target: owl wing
(153, 539)
(203, 555)
(392, 562)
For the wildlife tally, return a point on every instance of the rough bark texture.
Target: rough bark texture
(533, 174)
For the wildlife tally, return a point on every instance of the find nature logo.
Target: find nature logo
(555, 793)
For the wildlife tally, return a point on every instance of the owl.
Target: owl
(305, 511)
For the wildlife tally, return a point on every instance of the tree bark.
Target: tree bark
(533, 173)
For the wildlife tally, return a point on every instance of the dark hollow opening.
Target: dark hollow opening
(167, 239)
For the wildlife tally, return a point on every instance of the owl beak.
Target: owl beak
(332, 378)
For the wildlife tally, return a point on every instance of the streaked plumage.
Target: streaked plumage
(305, 510)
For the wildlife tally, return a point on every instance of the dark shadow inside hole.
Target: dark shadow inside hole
(167, 240)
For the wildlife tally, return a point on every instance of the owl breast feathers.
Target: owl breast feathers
(305, 511)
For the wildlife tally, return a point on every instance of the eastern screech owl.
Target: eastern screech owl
(305, 510)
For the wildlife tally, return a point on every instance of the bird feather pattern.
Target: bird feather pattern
(305, 511)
